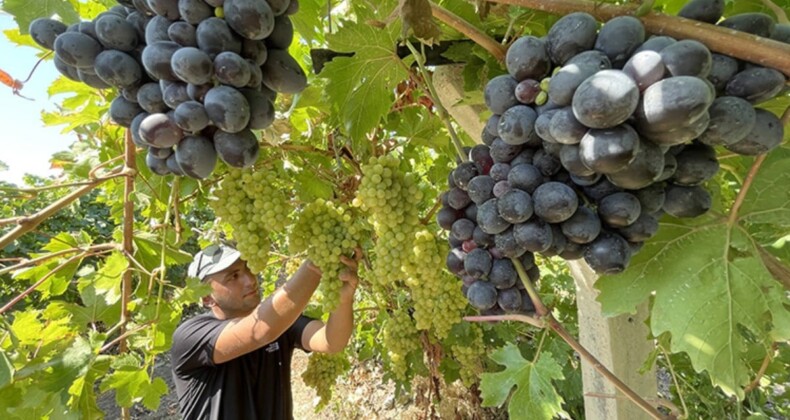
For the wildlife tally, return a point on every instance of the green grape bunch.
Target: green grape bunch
(326, 232)
(400, 337)
(322, 372)
(438, 300)
(253, 205)
(391, 199)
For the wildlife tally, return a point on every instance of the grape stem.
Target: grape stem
(675, 380)
(428, 217)
(545, 316)
(781, 16)
(454, 21)
(747, 183)
(440, 109)
(763, 367)
(762, 51)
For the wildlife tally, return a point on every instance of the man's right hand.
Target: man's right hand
(349, 276)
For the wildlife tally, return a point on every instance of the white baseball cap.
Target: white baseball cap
(212, 260)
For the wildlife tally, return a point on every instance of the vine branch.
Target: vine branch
(510, 317)
(130, 165)
(758, 50)
(35, 261)
(128, 233)
(481, 38)
(26, 224)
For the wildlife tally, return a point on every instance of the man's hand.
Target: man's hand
(349, 276)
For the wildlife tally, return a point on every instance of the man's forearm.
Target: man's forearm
(287, 303)
(339, 326)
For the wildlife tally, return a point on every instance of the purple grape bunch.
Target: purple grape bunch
(194, 77)
(628, 134)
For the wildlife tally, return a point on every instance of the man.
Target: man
(234, 362)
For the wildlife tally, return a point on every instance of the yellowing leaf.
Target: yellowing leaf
(535, 397)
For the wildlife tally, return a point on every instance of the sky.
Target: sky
(26, 145)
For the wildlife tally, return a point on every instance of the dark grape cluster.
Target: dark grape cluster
(627, 135)
(195, 77)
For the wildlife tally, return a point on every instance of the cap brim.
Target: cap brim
(225, 261)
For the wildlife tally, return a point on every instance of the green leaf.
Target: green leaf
(309, 21)
(360, 87)
(25, 11)
(68, 367)
(768, 199)
(3, 166)
(152, 395)
(312, 187)
(149, 252)
(420, 129)
(129, 383)
(6, 370)
(107, 280)
(704, 290)
(535, 396)
(83, 391)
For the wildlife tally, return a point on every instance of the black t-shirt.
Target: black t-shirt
(256, 385)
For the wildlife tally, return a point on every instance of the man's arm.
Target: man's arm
(270, 319)
(333, 336)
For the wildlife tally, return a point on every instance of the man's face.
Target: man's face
(235, 290)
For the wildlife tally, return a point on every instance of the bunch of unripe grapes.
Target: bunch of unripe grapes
(236, 206)
(254, 205)
(326, 232)
(195, 77)
(470, 355)
(390, 197)
(438, 303)
(322, 373)
(400, 337)
(628, 134)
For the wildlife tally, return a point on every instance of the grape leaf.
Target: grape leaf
(708, 281)
(26, 11)
(83, 392)
(152, 395)
(308, 21)
(131, 383)
(419, 129)
(360, 87)
(768, 199)
(535, 396)
(6, 370)
(69, 366)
